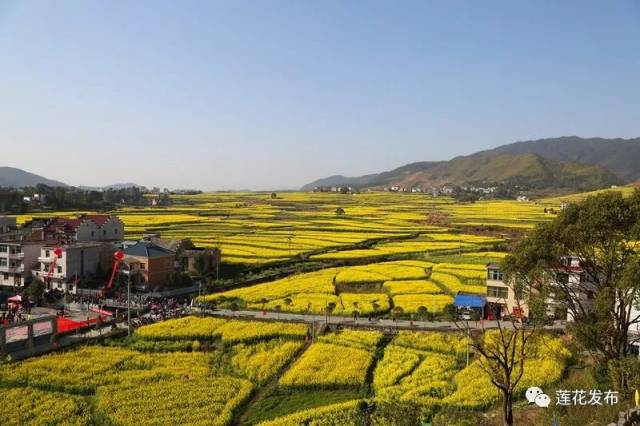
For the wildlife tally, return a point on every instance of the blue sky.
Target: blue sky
(273, 94)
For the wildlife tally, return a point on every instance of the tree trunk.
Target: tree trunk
(507, 408)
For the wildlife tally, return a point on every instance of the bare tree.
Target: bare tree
(504, 352)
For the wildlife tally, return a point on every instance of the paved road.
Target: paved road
(364, 322)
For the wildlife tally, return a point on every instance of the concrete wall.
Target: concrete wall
(113, 229)
(87, 231)
(28, 337)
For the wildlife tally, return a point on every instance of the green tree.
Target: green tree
(263, 302)
(331, 306)
(201, 264)
(397, 311)
(422, 312)
(602, 232)
(35, 290)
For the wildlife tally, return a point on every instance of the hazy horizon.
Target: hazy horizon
(276, 94)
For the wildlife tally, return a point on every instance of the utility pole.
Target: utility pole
(468, 341)
(129, 301)
(218, 264)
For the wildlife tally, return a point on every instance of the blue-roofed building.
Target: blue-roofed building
(470, 301)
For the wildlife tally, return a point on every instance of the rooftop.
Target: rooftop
(147, 249)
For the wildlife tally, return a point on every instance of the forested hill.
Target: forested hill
(549, 164)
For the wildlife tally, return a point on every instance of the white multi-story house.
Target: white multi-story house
(77, 261)
(16, 260)
(571, 277)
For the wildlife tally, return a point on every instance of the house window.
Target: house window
(59, 269)
(3, 262)
(104, 232)
(115, 231)
(6, 277)
(46, 253)
(497, 292)
(70, 288)
(4, 249)
(93, 234)
(495, 275)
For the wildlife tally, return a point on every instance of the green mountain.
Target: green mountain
(528, 170)
(620, 156)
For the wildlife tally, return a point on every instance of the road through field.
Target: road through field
(387, 324)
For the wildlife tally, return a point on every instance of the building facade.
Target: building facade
(76, 262)
(156, 265)
(84, 228)
(16, 260)
(501, 298)
(7, 224)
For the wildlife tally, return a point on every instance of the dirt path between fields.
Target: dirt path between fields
(265, 390)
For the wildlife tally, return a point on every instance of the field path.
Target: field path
(265, 390)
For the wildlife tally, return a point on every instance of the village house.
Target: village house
(17, 258)
(78, 261)
(7, 224)
(501, 298)
(84, 228)
(155, 264)
(187, 254)
(634, 331)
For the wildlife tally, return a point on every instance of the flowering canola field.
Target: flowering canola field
(254, 228)
(211, 384)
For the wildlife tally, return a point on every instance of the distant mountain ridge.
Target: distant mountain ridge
(559, 163)
(620, 156)
(11, 177)
(115, 186)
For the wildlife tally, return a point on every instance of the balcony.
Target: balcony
(12, 269)
(16, 255)
(45, 259)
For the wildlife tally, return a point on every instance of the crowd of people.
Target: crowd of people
(145, 309)
(13, 313)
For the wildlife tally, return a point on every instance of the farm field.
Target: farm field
(255, 229)
(205, 370)
(405, 285)
(387, 252)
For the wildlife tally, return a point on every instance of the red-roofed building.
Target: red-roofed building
(84, 228)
